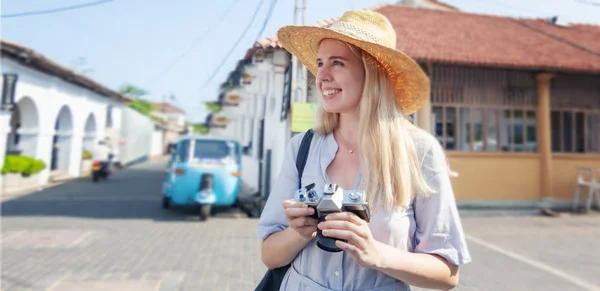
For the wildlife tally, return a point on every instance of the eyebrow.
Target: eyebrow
(333, 58)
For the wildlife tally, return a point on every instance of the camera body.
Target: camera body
(329, 200)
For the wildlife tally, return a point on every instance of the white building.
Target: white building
(56, 114)
(171, 114)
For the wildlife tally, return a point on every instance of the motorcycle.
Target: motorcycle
(101, 169)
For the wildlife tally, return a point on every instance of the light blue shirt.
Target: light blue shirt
(430, 225)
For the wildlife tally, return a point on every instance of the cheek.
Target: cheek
(355, 84)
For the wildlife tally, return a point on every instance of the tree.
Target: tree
(142, 106)
(132, 91)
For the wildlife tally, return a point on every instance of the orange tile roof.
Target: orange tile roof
(167, 107)
(455, 37)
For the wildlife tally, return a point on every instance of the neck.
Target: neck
(348, 129)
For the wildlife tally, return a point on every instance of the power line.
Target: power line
(589, 2)
(196, 42)
(234, 46)
(56, 10)
(262, 29)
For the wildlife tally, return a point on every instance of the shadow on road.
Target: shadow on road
(132, 193)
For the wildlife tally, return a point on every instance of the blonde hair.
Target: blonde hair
(391, 166)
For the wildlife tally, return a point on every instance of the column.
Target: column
(424, 116)
(543, 134)
(75, 154)
(4, 131)
(424, 113)
(44, 153)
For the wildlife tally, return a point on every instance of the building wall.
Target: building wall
(564, 172)
(495, 177)
(137, 133)
(42, 101)
(487, 119)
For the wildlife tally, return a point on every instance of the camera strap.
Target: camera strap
(303, 155)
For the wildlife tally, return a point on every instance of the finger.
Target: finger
(304, 222)
(348, 216)
(340, 224)
(299, 212)
(293, 204)
(351, 237)
(354, 251)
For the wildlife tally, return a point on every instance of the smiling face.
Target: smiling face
(340, 78)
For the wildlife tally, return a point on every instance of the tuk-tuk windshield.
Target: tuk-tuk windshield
(207, 149)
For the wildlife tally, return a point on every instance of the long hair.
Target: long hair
(391, 167)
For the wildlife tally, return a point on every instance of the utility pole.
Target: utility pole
(299, 73)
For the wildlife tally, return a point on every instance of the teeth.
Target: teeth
(331, 92)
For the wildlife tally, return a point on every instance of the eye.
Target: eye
(319, 64)
(338, 63)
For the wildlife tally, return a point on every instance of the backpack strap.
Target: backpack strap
(303, 155)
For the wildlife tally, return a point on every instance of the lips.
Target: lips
(330, 93)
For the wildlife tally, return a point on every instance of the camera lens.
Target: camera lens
(312, 194)
(301, 197)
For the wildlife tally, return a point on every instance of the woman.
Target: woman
(363, 141)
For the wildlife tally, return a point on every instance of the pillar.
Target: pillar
(543, 134)
(424, 113)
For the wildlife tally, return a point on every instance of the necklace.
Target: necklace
(350, 151)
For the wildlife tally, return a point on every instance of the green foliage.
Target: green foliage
(132, 91)
(201, 128)
(141, 106)
(87, 155)
(226, 87)
(24, 165)
(213, 106)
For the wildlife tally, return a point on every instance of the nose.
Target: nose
(324, 75)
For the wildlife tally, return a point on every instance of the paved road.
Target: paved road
(114, 235)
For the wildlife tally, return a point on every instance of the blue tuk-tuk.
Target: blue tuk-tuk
(203, 171)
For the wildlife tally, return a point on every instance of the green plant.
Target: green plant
(142, 106)
(132, 91)
(24, 165)
(87, 155)
(201, 128)
(213, 106)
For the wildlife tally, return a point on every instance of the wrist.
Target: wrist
(382, 249)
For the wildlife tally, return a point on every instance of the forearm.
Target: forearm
(280, 248)
(417, 269)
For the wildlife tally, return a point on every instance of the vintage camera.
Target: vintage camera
(329, 200)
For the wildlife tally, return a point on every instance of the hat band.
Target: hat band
(357, 32)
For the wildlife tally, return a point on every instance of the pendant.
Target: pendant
(350, 151)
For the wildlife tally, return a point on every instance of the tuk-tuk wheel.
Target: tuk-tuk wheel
(204, 211)
(166, 202)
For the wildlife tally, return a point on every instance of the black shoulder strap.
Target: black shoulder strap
(303, 155)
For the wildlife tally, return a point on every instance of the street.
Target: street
(114, 235)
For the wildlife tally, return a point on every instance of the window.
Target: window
(484, 110)
(485, 129)
(575, 131)
(214, 149)
(575, 114)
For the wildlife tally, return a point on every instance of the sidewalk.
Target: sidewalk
(16, 192)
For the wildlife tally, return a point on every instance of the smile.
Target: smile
(331, 92)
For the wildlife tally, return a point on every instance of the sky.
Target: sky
(174, 47)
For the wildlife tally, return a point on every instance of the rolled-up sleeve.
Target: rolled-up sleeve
(438, 226)
(272, 218)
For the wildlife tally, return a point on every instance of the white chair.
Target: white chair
(586, 177)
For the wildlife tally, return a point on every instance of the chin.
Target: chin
(331, 109)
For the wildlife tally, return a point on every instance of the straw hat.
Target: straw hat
(372, 32)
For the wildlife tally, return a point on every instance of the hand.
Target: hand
(361, 244)
(298, 216)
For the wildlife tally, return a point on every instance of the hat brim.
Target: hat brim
(411, 84)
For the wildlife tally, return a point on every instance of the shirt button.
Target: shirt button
(337, 273)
